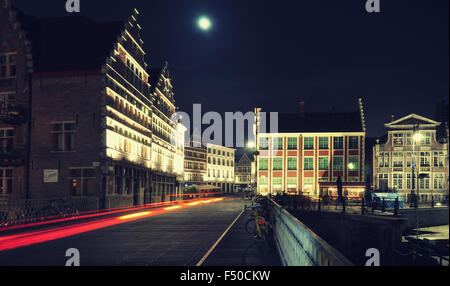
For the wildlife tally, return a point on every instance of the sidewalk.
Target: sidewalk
(237, 248)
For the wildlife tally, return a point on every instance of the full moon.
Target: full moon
(204, 23)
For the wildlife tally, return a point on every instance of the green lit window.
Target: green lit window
(277, 164)
(338, 164)
(264, 143)
(323, 143)
(308, 143)
(292, 163)
(277, 143)
(353, 142)
(308, 163)
(353, 163)
(338, 142)
(323, 163)
(277, 181)
(263, 180)
(292, 143)
(263, 164)
(292, 181)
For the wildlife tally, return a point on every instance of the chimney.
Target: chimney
(392, 118)
(302, 109)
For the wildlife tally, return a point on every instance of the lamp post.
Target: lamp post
(416, 137)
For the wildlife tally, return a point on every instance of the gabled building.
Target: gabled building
(412, 145)
(16, 67)
(310, 152)
(167, 137)
(91, 126)
(244, 172)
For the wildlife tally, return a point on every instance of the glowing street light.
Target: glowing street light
(204, 23)
(417, 137)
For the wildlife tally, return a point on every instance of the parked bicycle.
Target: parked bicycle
(258, 226)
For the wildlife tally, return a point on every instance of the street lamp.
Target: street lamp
(417, 137)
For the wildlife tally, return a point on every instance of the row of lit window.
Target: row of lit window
(220, 152)
(400, 158)
(308, 163)
(401, 139)
(398, 180)
(228, 163)
(308, 143)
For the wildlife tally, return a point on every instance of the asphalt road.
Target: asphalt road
(178, 238)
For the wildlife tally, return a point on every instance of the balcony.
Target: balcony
(13, 158)
(14, 115)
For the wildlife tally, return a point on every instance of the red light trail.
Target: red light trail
(28, 238)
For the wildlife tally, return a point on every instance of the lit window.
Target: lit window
(398, 181)
(397, 139)
(263, 164)
(338, 163)
(353, 163)
(353, 142)
(264, 143)
(308, 143)
(292, 163)
(323, 163)
(82, 181)
(277, 164)
(308, 163)
(292, 143)
(323, 143)
(338, 142)
(277, 143)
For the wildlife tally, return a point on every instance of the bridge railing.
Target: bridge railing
(32, 210)
(298, 245)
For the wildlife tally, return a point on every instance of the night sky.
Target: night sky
(274, 54)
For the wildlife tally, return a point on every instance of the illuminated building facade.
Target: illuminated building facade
(412, 140)
(99, 131)
(220, 167)
(167, 137)
(244, 172)
(195, 163)
(310, 152)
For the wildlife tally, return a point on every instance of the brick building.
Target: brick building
(310, 151)
(16, 63)
(94, 112)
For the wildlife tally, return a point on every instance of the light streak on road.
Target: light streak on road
(13, 241)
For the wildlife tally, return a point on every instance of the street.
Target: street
(177, 238)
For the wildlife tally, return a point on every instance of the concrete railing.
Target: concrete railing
(298, 245)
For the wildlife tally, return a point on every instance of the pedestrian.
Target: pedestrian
(339, 189)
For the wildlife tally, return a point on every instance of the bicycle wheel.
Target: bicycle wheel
(251, 229)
